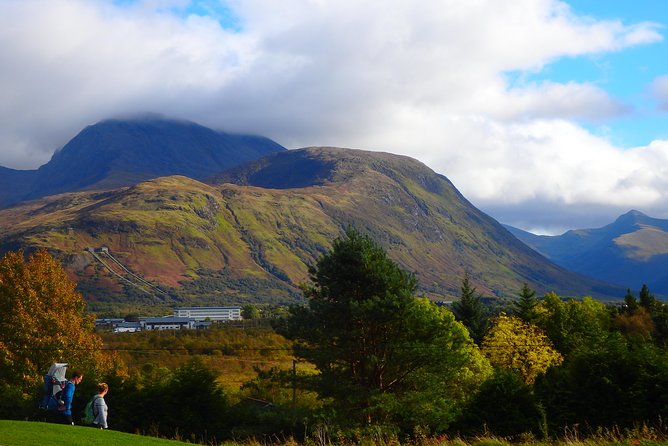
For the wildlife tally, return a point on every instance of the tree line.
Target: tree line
(370, 358)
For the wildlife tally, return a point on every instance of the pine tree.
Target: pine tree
(382, 354)
(647, 299)
(470, 311)
(630, 302)
(525, 306)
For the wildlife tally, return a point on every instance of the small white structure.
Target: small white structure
(167, 323)
(127, 327)
(210, 313)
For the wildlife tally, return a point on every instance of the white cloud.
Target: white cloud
(427, 79)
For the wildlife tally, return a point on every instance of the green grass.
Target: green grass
(28, 433)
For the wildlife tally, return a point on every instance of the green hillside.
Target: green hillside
(252, 241)
(23, 433)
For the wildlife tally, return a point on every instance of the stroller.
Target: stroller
(54, 383)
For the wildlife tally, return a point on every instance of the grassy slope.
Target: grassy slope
(173, 230)
(25, 433)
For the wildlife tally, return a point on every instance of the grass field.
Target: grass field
(27, 433)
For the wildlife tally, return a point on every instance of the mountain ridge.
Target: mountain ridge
(630, 251)
(232, 241)
(121, 152)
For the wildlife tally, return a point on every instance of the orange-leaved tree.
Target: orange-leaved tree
(42, 321)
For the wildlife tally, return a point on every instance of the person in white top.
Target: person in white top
(100, 407)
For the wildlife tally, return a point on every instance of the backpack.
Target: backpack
(54, 384)
(89, 411)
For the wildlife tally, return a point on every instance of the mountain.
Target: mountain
(14, 183)
(631, 251)
(115, 153)
(250, 233)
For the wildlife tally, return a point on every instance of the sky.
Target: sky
(547, 115)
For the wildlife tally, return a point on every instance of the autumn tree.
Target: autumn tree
(638, 324)
(517, 345)
(383, 356)
(644, 317)
(43, 321)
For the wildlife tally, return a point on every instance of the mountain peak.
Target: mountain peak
(146, 119)
(636, 213)
(124, 151)
(631, 217)
(316, 166)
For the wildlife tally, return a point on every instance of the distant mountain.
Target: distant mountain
(116, 153)
(251, 232)
(14, 184)
(629, 252)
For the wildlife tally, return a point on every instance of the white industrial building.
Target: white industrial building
(167, 323)
(209, 313)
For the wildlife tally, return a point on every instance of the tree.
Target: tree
(505, 405)
(525, 306)
(630, 302)
(638, 324)
(187, 402)
(621, 383)
(382, 355)
(470, 311)
(43, 321)
(573, 324)
(647, 299)
(250, 311)
(517, 345)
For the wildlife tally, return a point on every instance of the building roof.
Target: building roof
(230, 307)
(167, 320)
(128, 325)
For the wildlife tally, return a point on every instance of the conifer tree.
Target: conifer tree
(525, 306)
(382, 354)
(646, 299)
(630, 302)
(470, 311)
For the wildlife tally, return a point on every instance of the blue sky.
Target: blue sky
(626, 74)
(548, 115)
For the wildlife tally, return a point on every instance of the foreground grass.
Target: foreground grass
(28, 433)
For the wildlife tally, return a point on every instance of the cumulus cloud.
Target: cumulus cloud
(427, 79)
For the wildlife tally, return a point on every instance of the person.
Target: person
(68, 395)
(100, 407)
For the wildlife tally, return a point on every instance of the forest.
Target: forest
(364, 358)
